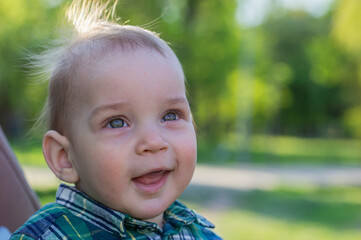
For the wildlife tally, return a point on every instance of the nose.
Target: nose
(150, 141)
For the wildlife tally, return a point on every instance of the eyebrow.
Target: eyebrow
(114, 106)
(177, 100)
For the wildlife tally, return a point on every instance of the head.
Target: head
(120, 126)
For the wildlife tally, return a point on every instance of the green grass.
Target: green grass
(284, 150)
(240, 224)
(285, 213)
(46, 195)
(29, 154)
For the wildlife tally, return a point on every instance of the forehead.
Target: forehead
(125, 73)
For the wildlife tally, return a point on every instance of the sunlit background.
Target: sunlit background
(273, 84)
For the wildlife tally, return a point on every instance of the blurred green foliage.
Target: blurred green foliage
(292, 74)
(24, 26)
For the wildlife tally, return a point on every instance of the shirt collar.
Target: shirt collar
(115, 222)
(179, 214)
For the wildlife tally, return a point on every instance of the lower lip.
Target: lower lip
(153, 187)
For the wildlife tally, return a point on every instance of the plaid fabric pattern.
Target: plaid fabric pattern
(76, 216)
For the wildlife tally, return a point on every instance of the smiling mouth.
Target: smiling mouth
(151, 182)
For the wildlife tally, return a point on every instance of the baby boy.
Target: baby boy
(120, 131)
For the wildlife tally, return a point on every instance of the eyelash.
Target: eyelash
(176, 114)
(109, 122)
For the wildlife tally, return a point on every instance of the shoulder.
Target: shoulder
(41, 222)
(55, 221)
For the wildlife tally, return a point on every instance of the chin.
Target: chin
(152, 209)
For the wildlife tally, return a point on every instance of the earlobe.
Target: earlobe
(57, 156)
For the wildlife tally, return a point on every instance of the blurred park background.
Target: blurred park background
(270, 83)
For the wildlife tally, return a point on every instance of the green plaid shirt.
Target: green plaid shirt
(76, 216)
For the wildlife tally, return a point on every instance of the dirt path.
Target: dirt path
(246, 177)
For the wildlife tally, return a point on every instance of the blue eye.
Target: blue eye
(170, 117)
(117, 123)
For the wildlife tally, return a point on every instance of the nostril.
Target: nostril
(164, 148)
(155, 149)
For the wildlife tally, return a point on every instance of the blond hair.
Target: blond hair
(95, 33)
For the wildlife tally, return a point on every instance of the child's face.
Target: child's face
(133, 142)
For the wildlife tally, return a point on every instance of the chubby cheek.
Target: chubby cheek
(103, 166)
(109, 164)
(187, 154)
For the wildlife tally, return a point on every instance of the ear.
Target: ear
(58, 158)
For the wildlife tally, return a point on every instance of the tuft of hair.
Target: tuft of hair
(85, 15)
(94, 32)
